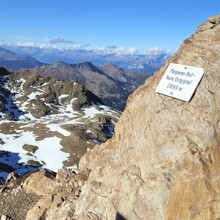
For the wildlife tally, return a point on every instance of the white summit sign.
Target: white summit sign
(180, 81)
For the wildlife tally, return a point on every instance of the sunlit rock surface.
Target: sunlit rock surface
(164, 160)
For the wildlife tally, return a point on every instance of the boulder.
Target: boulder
(40, 183)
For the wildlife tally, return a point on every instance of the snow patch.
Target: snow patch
(49, 149)
(33, 95)
(56, 127)
(91, 112)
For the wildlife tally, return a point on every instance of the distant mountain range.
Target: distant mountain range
(12, 60)
(112, 84)
(148, 63)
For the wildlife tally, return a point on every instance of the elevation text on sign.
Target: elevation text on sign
(180, 81)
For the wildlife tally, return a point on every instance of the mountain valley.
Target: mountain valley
(112, 84)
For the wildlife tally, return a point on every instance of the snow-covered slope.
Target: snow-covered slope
(47, 123)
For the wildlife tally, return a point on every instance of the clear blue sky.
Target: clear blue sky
(128, 23)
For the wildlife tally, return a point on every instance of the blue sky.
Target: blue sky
(140, 24)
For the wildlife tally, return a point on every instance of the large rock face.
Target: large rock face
(164, 161)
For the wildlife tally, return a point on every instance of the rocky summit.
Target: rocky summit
(161, 164)
(47, 123)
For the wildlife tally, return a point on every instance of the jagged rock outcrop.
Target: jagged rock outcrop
(163, 162)
(40, 195)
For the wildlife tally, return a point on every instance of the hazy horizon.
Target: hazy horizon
(127, 26)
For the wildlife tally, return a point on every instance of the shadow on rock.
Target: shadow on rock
(9, 162)
(119, 217)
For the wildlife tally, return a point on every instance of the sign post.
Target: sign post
(180, 81)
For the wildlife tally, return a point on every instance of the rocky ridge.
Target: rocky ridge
(163, 161)
(112, 84)
(48, 123)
